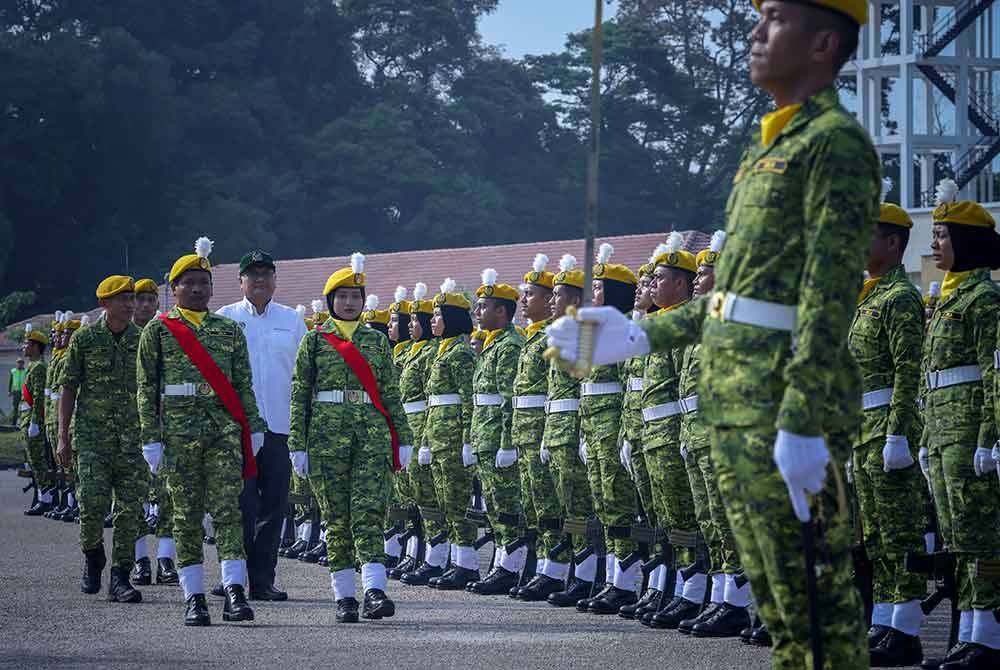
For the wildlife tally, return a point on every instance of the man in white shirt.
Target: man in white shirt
(273, 333)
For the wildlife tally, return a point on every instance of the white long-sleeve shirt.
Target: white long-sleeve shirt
(273, 340)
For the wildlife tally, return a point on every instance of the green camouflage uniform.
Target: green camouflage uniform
(101, 366)
(963, 331)
(349, 445)
(491, 426)
(52, 403)
(632, 373)
(447, 431)
(402, 494)
(37, 447)
(799, 220)
(202, 452)
(538, 493)
(562, 439)
(412, 380)
(886, 339)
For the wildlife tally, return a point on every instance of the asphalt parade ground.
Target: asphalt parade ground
(45, 622)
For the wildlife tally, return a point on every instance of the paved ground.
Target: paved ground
(45, 622)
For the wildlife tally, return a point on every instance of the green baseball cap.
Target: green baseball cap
(256, 257)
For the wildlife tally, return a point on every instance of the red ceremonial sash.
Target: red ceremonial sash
(359, 366)
(217, 379)
(26, 394)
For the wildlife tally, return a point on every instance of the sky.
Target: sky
(537, 26)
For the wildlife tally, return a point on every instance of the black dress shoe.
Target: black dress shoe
(421, 575)
(93, 566)
(745, 634)
(323, 561)
(650, 599)
(896, 649)
(975, 657)
(295, 549)
(498, 582)
(665, 606)
(197, 611)
(236, 607)
(953, 654)
(705, 614)
(390, 561)
(119, 588)
(727, 621)
(670, 620)
(876, 633)
(268, 593)
(142, 574)
(72, 515)
(761, 637)
(457, 580)
(408, 564)
(377, 605)
(583, 604)
(433, 581)
(314, 554)
(166, 572)
(38, 509)
(612, 601)
(219, 591)
(540, 588)
(347, 610)
(577, 589)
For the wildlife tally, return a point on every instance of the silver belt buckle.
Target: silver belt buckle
(354, 397)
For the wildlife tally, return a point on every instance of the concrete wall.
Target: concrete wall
(918, 262)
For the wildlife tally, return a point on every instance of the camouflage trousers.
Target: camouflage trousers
(205, 475)
(672, 495)
(710, 512)
(640, 478)
(892, 522)
(423, 489)
(165, 526)
(111, 471)
(502, 493)
(611, 484)
(569, 477)
(539, 494)
(453, 484)
(968, 510)
(351, 483)
(769, 541)
(37, 449)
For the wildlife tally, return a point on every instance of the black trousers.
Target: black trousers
(264, 502)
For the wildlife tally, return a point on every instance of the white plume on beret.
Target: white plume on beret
(300, 310)
(718, 240)
(567, 263)
(28, 328)
(419, 291)
(674, 242)
(58, 316)
(85, 319)
(203, 247)
(489, 277)
(886, 187)
(448, 286)
(541, 260)
(946, 189)
(67, 316)
(660, 249)
(317, 306)
(357, 262)
(400, 295)
(371, 303)
(605, 252)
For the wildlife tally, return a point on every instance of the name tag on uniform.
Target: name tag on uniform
(951, 316)
(771, 165)
(869, 312)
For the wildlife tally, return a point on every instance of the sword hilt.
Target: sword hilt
(583, 365)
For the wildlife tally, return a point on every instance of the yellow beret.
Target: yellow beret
(645, 270)
(310, 324)
(114, 285)
(196, 261)
(35, 335)
(538, 275)
(614, 272)
(683, 260)
(376, 316)
(401, 307)
(452, 300)
(857, 10)
(146, 286)
(349, 277)
(491, 289)
(965, 213)
(58, 326)
(894, 215)
(420, 302)
(74, 324)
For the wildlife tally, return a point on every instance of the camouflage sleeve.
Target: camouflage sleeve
(905, 329)
(36, 387)
(242, 380)
(148, 383)
(840, 196)
(506, 371)
(71, 370)
(388, 386)
(677, 328)
(987, 311)
(462, 368)
(303, 380)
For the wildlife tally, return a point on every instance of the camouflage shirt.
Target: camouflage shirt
(494, 375)
(799, 220)
(562, 428)
(34, 379)
(532, 379)
(601, 415)
(451, 370)
(963, 331)
(162, 362)
(886, 339)
(633, 368)
(694, 432)
(318, 367)
(101, 366)
(660, 385)
(53, 386)
(399, 354)
(413, 378)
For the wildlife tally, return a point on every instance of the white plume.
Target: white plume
(718, 240)
(448, 286)
(660, 249)
(567, 263)
(947, 189)
(541, 260)
(28, 328)
(935, 290)
(605, 252)
(58, 317)
(489, 277)
(203, 247)
(300, 310)
(68, 316)
(674, 242)
(371, 303)
(419, 291)
(886, 187)
(357, 262)
(400, 295)
(317, 306)
(85, 319)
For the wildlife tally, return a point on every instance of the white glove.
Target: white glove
(684, 453)
(983, 461)
(896, 453)
(33, 429)
(802, 463)
(405, 455)
(925, 463)
(153, 453)
(300, 463)
(424, 456)
(256, 442)
(582, 452)
(616, 337)
(469, 457)
(625, 456)
(506, 458)
(543, 455)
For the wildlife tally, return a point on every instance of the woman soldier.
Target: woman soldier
(347, 425)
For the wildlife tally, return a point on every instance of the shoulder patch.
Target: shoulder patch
(771, 165)
(952, 316)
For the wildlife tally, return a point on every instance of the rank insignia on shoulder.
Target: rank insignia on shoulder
(772, 165)
(873, 313)
(952, 316)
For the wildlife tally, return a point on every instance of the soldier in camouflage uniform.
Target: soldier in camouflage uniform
(32, 418)
(70, 326)
(798, 221)
(345, 444)
(197, 440)
(58, 341)
(886, 339)
(959, 393)
(98, 380)
(492, 416)
(447, 431)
